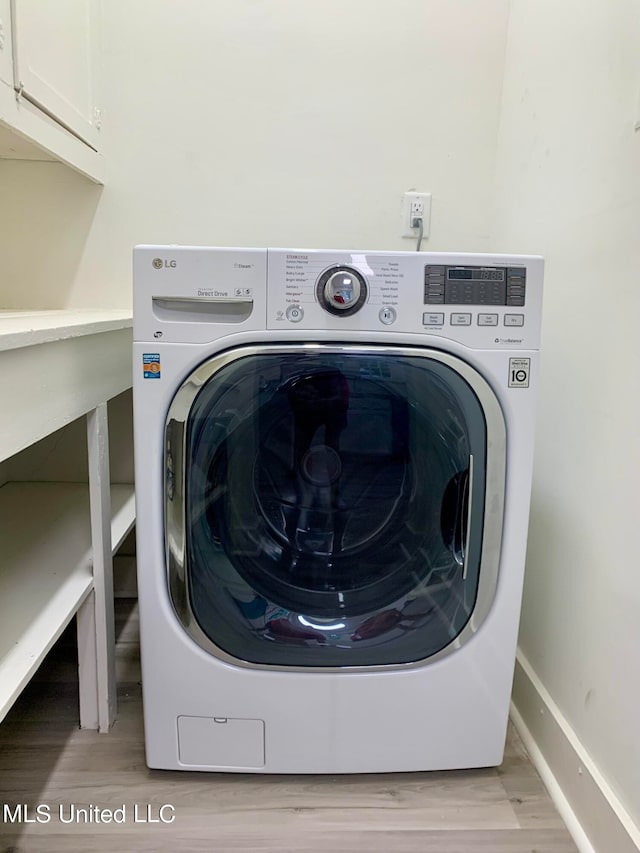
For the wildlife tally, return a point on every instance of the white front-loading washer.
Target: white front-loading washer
(333, 471)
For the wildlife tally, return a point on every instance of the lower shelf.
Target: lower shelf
(45, 569)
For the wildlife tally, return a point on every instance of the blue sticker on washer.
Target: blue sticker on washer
(151, 365)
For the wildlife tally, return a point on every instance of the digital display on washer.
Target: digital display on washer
(474, 285)
(475, 274)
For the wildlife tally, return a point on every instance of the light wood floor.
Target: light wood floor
(45, 759)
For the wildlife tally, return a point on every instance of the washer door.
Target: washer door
(331, 506)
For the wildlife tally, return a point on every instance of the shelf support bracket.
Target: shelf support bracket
(97, 612)
(87, 662)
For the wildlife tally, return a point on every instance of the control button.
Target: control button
(434, 295)
(294, 313)
(461, 319)
(516, 287)
(487, 319)
(433, 319)
(387, 315)
(514, 319)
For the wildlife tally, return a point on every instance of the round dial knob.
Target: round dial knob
(342, 291)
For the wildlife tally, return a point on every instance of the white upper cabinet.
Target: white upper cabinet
(49, 62)
(54, 50)
(6, 65)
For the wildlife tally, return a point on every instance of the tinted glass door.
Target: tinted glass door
(332, 503)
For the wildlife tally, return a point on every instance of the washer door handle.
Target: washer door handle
(455, 515)
(468, 498)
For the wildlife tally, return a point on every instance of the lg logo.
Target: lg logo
(158, 264)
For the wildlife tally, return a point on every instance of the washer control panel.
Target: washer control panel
(195, 294)
(479, 300)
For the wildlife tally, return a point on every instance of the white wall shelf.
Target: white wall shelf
(26, 328)
(56, 366)
(46, 570)
(58, 539)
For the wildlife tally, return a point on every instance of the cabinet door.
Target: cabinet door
(55, 56)
(6, 70)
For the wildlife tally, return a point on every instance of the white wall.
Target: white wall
(46, 216)
(265, 122)
(569, 188)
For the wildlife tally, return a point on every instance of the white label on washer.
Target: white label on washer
(519, 372)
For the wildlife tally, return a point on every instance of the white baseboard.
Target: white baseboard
(596, 819)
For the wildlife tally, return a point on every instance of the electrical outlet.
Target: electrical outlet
(415, 206)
